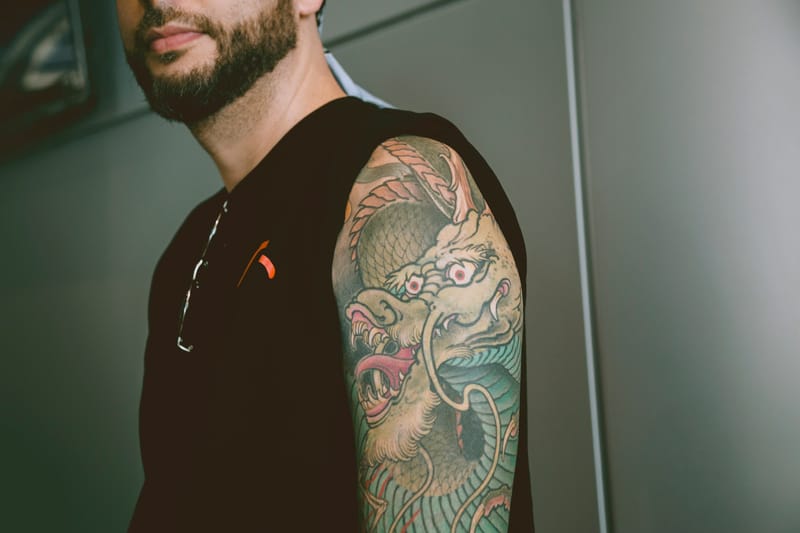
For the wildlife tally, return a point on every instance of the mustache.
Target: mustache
(155, 17)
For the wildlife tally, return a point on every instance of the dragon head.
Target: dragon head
(460, 298)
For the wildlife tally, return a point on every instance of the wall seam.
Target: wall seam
(583, 257)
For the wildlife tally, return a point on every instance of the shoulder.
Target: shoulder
(420, 169)
(433, 157)
(413, 191)
(412, 186)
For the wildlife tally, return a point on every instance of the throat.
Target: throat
(241, 134)
(454, 461)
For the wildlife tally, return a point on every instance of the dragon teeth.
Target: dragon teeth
(493, 305)
(357, 331)
(373, 337)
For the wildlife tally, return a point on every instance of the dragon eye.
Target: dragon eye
(461, 274)
(414, 285)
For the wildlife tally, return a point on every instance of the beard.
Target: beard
(246, 52)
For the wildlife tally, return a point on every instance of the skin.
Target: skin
(241, 134)
(431, 306)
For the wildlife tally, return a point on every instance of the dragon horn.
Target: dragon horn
(459, 185)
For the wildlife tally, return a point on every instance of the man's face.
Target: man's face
(194, 57)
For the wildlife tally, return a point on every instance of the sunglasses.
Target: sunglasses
(195, 284)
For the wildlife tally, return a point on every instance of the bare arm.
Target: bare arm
(431, 309)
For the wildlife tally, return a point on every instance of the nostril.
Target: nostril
(389, 315)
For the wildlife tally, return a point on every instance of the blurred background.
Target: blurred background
(652, 152)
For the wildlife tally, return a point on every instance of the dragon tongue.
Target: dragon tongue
(391, 366)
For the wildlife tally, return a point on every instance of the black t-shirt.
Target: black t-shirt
(251, 430)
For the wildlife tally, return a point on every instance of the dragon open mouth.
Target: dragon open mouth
(381, 374)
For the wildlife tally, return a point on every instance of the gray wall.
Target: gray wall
(86, 215)
(692, 150)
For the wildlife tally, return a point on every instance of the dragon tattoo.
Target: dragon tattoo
(432, 315)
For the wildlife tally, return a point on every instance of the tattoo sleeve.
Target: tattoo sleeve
(431, 309)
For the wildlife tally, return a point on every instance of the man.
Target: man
(331, 207)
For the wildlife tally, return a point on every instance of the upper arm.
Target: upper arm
(431, 307)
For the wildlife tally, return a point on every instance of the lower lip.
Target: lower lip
(167, 44)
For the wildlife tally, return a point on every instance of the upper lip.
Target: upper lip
(168, 30)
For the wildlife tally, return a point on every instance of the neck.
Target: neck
(239, 136)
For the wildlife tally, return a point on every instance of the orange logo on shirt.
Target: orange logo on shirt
(263, 261)
(267, 264)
